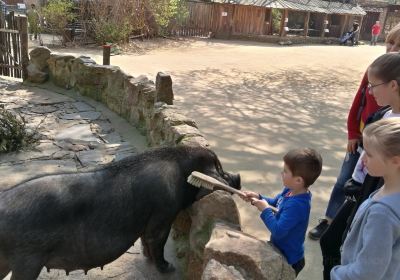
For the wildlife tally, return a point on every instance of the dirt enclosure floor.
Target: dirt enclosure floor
(255, 101)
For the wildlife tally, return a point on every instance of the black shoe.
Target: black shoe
(318, 231)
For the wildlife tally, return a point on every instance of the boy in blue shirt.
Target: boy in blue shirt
(286, 216)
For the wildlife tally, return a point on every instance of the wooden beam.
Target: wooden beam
(324, 25)
(4, 30)
(10, 66)
(359, 32)
(284, 22)
(344, 24)
(23, 30)
(306, 21)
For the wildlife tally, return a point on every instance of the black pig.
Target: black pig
(84, 220)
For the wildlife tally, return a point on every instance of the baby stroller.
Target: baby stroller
(348, 36)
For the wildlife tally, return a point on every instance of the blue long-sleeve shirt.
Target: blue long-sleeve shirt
(289, 225)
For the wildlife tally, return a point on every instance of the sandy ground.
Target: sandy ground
(255, 101)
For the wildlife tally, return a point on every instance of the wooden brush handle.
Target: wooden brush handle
(229, 189)
(235, 191)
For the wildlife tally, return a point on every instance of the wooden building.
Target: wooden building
(309, 18)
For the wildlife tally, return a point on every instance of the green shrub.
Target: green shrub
(168, 12)
(107, 31)
(276, 20)
(13, 133)
(57, 14)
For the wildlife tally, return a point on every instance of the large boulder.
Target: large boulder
(39, 57)
(253, 258)
(164, 91)
(38, 67)
(35, 75)
(218, 206)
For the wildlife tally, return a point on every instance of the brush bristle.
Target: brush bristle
(197, 182)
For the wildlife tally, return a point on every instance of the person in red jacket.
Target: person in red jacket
(375, 31)
(363, 105)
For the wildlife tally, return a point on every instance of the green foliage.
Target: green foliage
(168, 12)
(34, 21)
(13, 133)
(276, 20)
(112, 32)
(58, 13)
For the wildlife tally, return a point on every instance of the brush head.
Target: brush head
(202, 180)
(199, 180)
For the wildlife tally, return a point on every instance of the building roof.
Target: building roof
(318, 6)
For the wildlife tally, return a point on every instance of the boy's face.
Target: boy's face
(290, 181)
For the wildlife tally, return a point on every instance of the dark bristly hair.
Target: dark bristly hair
(305, 163)
(387, 67)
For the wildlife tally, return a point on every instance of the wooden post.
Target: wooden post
(324, 25)
(359, 32)
(306, 21)
(23, 33)
(106, 54)
(344, 24)
(284, 22)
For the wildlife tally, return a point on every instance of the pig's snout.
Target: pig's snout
(234, 180)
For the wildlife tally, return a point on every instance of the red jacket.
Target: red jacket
(376, 29)
(356, 119)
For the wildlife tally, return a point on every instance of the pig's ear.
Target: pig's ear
(202, 193)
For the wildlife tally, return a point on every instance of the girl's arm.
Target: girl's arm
(375, 255)
(289, 217)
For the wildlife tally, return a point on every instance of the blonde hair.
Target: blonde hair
(384, 135)
(393, 34)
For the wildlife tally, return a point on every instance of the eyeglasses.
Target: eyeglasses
(370, 87)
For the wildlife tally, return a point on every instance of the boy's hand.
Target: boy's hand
(249, 195)
(261, 204)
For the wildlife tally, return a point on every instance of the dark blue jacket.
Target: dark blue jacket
(289, 225)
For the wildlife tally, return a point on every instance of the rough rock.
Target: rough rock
(253, 258)
(39, 57)
(217, 206)
(35, 75)
(217, 271)
(164, 92)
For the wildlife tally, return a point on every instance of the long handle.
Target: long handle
(235, 191)
(229, 189)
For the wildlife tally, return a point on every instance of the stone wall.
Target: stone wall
(143, 103)
(208, 236)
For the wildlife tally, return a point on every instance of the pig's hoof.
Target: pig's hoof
(166, 268)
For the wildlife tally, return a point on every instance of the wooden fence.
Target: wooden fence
(13, 44)
(224, 20)
(198, 23)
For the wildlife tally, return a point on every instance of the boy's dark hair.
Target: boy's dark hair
(306, 163)
(387, 67)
